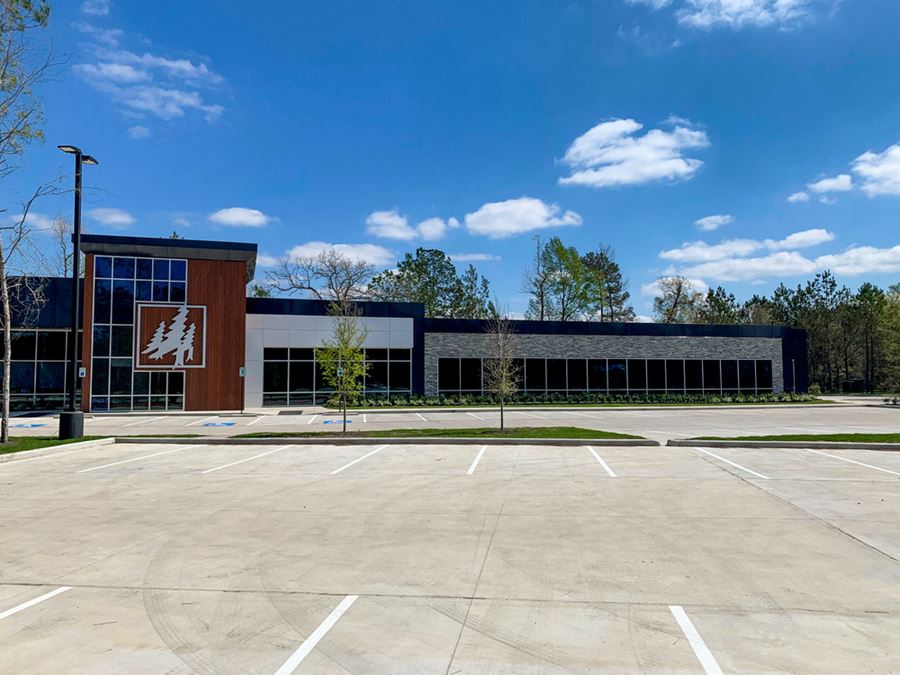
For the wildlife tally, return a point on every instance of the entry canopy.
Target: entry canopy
(158, 247)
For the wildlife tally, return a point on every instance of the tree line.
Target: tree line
(853, 337)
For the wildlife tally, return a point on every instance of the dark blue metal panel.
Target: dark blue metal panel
(304, 307)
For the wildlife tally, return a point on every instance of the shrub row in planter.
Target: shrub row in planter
(575, 399)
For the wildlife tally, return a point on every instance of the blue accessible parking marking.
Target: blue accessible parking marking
(219, 424)
(32, 425)
(335, 421)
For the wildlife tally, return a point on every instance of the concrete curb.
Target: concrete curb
(613, 408)
(814, 445)
(53, 449)
(615, 442)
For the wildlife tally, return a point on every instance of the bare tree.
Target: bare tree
(501, 372)
(330, 275)
(536, 282)
(60, 262)
(676, 300)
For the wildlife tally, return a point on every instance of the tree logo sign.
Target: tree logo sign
(170, 336)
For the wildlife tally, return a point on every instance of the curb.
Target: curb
(581, 442)
(814, 445)
(599, 408)
(53, 449)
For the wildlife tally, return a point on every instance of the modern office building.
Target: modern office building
(166, 325)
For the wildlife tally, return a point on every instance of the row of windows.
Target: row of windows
(39, 371)
(615, 375)
(135, 390)
(159, 269)
(292, 376)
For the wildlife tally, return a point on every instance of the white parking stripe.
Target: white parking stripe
(365, 419)
(421, 417)
(605, 466)
(134, 424)
(521, 412)
(476, 417)
(704, 656)
(853, 461)
(312, 419)
(32, 603)
(737, 466)
(309, 643)
(195, 423)
(241, 461)
(135, 459)
(252, 422)
(476, 460)
(358, 459)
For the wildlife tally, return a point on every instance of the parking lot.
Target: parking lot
(657, 423)
(146, 558)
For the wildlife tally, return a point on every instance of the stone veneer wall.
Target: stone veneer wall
(469, 345)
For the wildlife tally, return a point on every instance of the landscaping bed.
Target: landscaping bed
(477, 432)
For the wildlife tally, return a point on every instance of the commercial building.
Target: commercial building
(166, 325)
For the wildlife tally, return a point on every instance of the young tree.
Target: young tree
(614, 306)
(342, 358)
(330, 275)
(718, 307)
(535, 283)
(676, 300)
(759, 311)
(430, 277)
(563, 288)
(501, 372)
(259, 291)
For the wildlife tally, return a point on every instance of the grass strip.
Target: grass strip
(23, 443)
(475, 432)
(521, 406)
(848, 438)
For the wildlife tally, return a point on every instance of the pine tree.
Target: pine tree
(614, 305)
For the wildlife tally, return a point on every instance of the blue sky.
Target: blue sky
(472, 126)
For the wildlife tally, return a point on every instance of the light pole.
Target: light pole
(71, 420)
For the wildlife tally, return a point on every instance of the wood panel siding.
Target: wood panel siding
(220, 286)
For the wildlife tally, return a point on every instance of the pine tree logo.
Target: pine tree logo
(176, 338)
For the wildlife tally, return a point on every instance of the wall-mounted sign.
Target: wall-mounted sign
(170, 336)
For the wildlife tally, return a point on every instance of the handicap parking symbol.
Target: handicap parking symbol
(335, 421)
(219, 424)
(30, 425)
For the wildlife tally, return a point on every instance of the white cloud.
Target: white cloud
(798, 197)
(782, 263)
(641, 318)
(435, 228)
(841, 183)
(105, 36)
(700, 251)
(880, 171)
(371, 253)
(498, 220)
(737, 14)
(112, 217)
(474, 257)
(862, 260)
(392, 225)
(36, 221)
(138, 131)
(238, 216)
(266, 260)
(611, 154)
(653, 4)
(121, 73)
(95, 7)
(710, 223)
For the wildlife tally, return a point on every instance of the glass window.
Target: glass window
(21, 379)
(178, 270)
(275, 354)
(176, 383)
(729, 376)
(141, 383)
(120, 376)
(123, 301)
(157, 403)
(577, 374)
(121, 341)
(535, 375)
(103, 267)
(656, 374)
(144, 268)
(747, 374)
(519, 373)
(302, 376)
(101, 340)
(275, 376)
(161, 270)
(399, 354)
(556, 374)
(617, 374)
(301, 354)
(23, 345)
(140, 403)
(123, 268)
(120, 403)
(597, 374)
(143, 291)
(693, 375)
(51, 346)
(158, 384)
(674, 375)
(102, 301)
(99, 403)
(637, 375)
(376, 354)
(51, 377)
(100, 376)
(377, 377)
(275, 399)
(400, 375)
(470, 374)
(160, 291)
(712, 380)
(448, 374)
(764, 375)
(177, 292)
